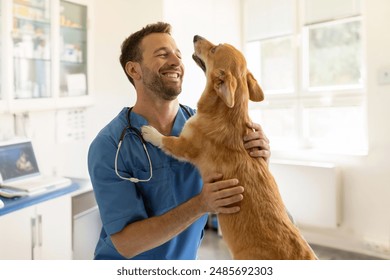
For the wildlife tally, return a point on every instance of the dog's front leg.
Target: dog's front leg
(151, 135)
(177, 147)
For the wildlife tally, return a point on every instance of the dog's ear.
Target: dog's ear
(255, 91)
(225, 84)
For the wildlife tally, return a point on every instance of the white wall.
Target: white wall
(216, 20)
(370, 186)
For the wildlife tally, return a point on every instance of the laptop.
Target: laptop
(19, 171)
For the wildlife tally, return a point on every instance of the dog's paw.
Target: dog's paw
(151, 135)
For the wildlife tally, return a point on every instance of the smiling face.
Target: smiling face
(161, 70)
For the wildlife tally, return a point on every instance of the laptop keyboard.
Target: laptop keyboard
(40, 183)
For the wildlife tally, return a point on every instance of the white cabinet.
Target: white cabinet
(42, 231)
(16, 242)
(86, 225)
(45, 51)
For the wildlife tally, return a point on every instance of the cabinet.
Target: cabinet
(45, 54)
(42, 231)
(73, 50)
(86, 225)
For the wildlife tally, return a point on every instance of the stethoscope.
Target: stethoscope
(139, 135)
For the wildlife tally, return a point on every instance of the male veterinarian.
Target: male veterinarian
(151, 205)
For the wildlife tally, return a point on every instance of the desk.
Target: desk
(13, 204)
(38, 226)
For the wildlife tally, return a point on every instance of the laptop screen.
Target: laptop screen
(17, 161)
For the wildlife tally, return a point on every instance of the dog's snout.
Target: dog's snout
(197, 38)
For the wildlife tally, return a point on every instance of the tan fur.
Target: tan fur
(213, 141)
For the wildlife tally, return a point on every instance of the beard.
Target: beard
(154, 83)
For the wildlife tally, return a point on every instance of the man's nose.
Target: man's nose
(174, 60)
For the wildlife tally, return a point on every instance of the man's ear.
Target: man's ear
(225, 85)
(255, 91)
(133, 70)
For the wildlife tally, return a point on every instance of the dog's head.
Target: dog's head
(225, 67)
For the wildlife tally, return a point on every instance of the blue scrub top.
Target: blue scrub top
(122, 202)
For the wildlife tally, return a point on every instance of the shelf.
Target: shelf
(66, 102)
(45, 49)
(32, 59)
(40, 21)
(29, 5)
(18, 35)
(33, 104)
(75, 63)
(73, 28)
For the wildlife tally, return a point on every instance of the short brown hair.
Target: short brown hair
(130, 49)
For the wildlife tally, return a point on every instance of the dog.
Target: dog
(212, 141)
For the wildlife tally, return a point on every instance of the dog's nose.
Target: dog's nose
(197, 38)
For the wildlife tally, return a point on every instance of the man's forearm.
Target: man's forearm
(150, 233)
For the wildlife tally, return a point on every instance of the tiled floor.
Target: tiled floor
(214, 248)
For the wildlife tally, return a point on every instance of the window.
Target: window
(275, 64)
(311, 72)
(334, 55)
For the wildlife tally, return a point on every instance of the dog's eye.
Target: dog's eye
(213, 50)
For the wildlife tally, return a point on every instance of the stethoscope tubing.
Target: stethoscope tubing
(139, 135)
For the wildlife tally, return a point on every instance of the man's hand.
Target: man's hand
(256, 143)
(217, 196)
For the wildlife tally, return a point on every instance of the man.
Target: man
(153, 206)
